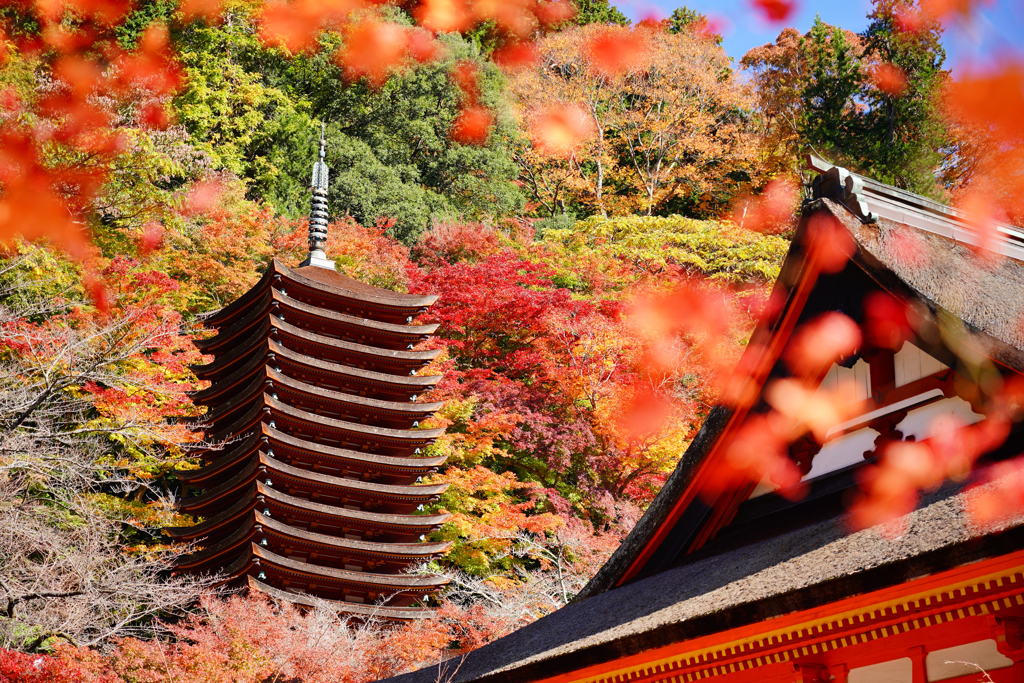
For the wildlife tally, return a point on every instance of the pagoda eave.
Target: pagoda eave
(259, 526)
(393, 582)
(402, 305)
(268, 379)
(294, 307)
(419, 524)
(356, 609)
(420, 437)
(343, 287)
(307, 480)
(291, 448)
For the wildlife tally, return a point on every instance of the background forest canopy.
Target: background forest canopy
(565, 194)
(672, 127)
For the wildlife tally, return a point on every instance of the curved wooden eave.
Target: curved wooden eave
(368, 611)
(429, 583)
(256, 315)
(314, 480)
(246, 326)
(276, 410)
(413, 523)
(342, 286)
(226, 314)
(381, 405)
(396, 522)
(398, 464)
(312, 363)
(373, 354)
(397, 551)
(278, 381)
(419, 493)
(261, 526)
(417, 436)
(239, 401)
(250, 499)
(405, 463)
(404, 331)
(222, 365)
(421, 382)
(253, 559)
(205, 528)
(225, 384)
(327, 282)
(229, 459)
(258, 323)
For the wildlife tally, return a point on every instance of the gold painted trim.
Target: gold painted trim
(1012, 578)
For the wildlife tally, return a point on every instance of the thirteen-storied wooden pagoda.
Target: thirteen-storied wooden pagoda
(312, 484)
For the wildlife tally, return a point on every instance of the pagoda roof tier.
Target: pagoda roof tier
(276, 568)
(225, 522)
(260, 322)
(306, 480)
(224, 387)
(292, 448)
(257, 526)
(334, 375)
(275, 303)
(327, 288)
(395, 442)
(390, 361)
(394, 414)
(368, 611)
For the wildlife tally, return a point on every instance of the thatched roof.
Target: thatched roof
(968, 290)
(802, 569)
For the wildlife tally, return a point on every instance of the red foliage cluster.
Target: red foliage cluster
(250, 639)
(20, 667)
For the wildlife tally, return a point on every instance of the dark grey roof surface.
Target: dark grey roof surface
(798, 570)
(916, 246)
(983, 290)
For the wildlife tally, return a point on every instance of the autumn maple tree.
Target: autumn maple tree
(158, 152)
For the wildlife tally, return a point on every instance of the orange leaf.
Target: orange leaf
(372, 51)
(516, 55)
(560, 130)
(615, 51)
(443, 16)
(208, 10)
(890, 79)
(472, 126)
(821, 342)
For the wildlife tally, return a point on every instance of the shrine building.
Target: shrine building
(751, 584)
(310, 482)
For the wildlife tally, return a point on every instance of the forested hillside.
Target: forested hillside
(601, 207)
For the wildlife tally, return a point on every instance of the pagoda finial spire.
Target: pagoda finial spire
(318, 211)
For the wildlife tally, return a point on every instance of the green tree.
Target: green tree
(834, 79)
(904, 130)
(598, 12)
(686, 19)
(391, 154)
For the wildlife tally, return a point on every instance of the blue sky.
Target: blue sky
(996, 31)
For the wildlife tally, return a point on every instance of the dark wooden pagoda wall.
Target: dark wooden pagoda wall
(313, 488)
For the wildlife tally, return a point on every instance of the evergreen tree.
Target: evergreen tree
(391, 154)
(686, 19)
(904, 131)
(598, 12)
(834, 79)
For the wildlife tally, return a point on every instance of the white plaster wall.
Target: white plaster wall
(896, 671)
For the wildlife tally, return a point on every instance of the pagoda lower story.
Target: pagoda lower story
(313, 489)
